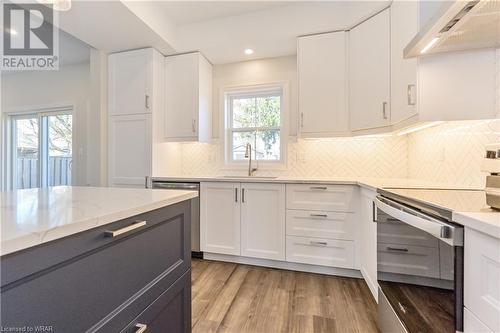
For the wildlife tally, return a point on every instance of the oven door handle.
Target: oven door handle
(448, 233)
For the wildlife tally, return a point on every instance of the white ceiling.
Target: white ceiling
(186, 12)
(221, 30)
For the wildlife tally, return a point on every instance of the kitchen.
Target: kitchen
(253, 166)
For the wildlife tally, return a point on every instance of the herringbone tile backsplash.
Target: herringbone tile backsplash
(450, 152)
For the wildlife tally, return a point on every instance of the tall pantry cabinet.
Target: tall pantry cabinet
(135, 103)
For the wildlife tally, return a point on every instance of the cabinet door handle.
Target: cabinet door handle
(235, 194)
(302, 119)
(146, 101)
(141, 328)
(319, 187)
(314, 243)
(319, 215)
(193, 125)
(242, 195)
(384, 109)
(397, 249)
(133, 226)
(410, 94)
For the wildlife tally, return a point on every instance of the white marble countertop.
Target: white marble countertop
(34, 216)
(487, 222)
(371, 183)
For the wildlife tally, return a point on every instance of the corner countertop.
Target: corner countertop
(34, 216)
(485, 222)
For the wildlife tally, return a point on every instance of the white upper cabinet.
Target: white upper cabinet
(404, 26)
(322, 70)
(369, 73)
(129, 82)
(188, 98)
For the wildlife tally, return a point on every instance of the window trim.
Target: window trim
(10, 135)
(268, 89)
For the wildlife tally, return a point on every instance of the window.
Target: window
(41, 149)
(255, 118)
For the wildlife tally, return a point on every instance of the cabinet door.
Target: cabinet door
(322, 68)
(182, 97)
(263, 221)
(130, 82)
(220, 218)
(368, 230)
(404, 26)
(369, 73)
(129, 144)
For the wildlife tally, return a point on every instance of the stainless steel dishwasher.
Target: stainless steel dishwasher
(195, 209)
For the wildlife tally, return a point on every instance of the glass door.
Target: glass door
(25, 161)
(42, 150)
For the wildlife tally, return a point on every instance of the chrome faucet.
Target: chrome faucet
(248, 154)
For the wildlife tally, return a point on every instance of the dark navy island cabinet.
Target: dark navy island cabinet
(96, 281)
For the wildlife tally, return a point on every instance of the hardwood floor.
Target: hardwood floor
(239, 298)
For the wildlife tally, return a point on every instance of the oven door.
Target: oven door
(419, 270)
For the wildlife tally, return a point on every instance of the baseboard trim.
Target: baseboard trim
(345, 272)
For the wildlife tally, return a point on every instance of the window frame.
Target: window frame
(41, 114)
(275, 89)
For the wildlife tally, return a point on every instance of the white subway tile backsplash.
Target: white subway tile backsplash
(450, 152)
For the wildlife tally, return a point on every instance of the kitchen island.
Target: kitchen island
(82, 259)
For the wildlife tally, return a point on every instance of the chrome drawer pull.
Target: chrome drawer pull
(318, 187)
(319, 215)
(135, 225)
(141, 328)
(398, 249)
(318, 243)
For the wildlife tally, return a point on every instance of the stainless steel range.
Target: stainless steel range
(420, 258)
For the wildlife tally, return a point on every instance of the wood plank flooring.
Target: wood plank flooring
(239, 298)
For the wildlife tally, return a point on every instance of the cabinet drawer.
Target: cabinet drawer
(482, 276)
(332, 198)
(396, 232)
(331, 225)
(106, 275)
(407, 259)
(320, 251)
(171, 312)
(474, 325)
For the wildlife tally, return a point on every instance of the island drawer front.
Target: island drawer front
(331, 198)
(118, 280)
(331, 225)
(171, 312)
(18, 265)
(320, 251)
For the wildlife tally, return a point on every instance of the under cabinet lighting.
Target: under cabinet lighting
(248, 51)
(418, 128)
(431, 44)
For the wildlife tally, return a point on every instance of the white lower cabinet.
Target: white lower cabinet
(320, 251)
(482, 278)
(473, 325)
(220, 218)
(243, 219)
(368, 240)
(263, 221)
(333, 225)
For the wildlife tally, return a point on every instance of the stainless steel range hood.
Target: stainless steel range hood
(459, 25)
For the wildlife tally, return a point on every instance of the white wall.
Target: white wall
(255, 72)
(70, 85)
